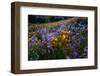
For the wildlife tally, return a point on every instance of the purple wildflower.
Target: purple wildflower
(40, 43)
(75, 54)
(33, 38)
(67, 57)
(85, 49)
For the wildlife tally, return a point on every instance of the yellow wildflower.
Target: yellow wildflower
(29, 39)
(63, 36)
(54, 40)
(63, 32)
(33, 32)
(68, 32)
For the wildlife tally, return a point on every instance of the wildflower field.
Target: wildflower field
(57, 37)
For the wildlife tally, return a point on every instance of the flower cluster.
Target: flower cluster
(63, 36)
(65, 41)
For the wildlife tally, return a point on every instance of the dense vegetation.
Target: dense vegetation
(63, 41)
(45, 19)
